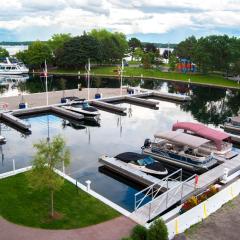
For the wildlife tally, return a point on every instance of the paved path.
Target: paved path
(111, 230)
(222, 225)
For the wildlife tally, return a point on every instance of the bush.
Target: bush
(139, 233)
(158, 231)
(127, 238)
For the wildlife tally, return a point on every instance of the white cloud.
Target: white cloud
(128, 16)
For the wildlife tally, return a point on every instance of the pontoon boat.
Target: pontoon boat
(219, 142)
(179, 149)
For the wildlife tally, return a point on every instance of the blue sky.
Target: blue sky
(156, 20)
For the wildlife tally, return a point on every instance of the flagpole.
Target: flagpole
(89, 69)
(46, 81)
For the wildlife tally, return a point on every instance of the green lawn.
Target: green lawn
(210, 79)
(21, 205)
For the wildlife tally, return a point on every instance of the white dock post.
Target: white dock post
(88, 182)
(225, 174)
(14, 167)
(63, 167)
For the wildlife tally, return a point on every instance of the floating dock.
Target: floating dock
(108, 107)
(133, 99)
(14, 121)
(160, 95)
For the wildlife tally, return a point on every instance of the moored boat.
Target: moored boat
(232, 124)
(141, 162)
(180, 149)
(84, 108)
(13, 67)
(219, 142)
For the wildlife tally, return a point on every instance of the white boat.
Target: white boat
(12, 68)
(141, 162)
(84, 108)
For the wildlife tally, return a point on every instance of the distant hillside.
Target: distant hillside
(15, 43)
(163, 45)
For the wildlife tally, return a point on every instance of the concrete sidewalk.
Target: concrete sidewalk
(114, 229)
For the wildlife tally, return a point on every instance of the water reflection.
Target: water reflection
(13, 85)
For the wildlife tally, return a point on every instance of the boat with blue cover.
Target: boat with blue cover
(141, 162)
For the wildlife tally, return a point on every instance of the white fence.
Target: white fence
(203, 210)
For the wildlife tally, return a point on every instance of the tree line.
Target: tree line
(101, 46)
(66, 51)
(210, 53)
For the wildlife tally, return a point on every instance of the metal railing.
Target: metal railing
(153, 190)
(172, 196)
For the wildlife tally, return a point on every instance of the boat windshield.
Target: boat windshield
(145, 161)
(85, 105)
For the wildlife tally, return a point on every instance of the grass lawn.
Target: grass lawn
(210, 79)
(21, 205)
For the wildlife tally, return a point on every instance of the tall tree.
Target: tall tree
(49, 156)
(186, 48)
(113, 45)
(133, 44)
(3, 53)
(76, 52)
(37, 53)
(57, 41)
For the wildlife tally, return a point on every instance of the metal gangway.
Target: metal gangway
(151, 202)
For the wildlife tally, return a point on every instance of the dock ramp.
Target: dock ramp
(161, 202)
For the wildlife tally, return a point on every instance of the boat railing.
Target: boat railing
(153, 190)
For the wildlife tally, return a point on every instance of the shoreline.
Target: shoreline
(145, 77)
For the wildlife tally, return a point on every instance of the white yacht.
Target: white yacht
(13, 67)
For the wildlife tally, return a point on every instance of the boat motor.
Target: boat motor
(147, 143)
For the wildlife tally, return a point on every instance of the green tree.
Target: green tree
(3, 53)
(76, 52)
(138, 54)
(57, 41)
(49, 156)
(23, 56)
(113, 45)
(173, 62)
(134, 44)
(186, 48)
(37, 53)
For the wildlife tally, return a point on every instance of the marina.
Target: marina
(121, 118)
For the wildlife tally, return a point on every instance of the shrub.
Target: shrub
(127, 238)
(139, 233)
(158, 231)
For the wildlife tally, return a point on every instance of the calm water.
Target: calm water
(117, 134)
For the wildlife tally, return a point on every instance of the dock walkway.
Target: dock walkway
(180, 192)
